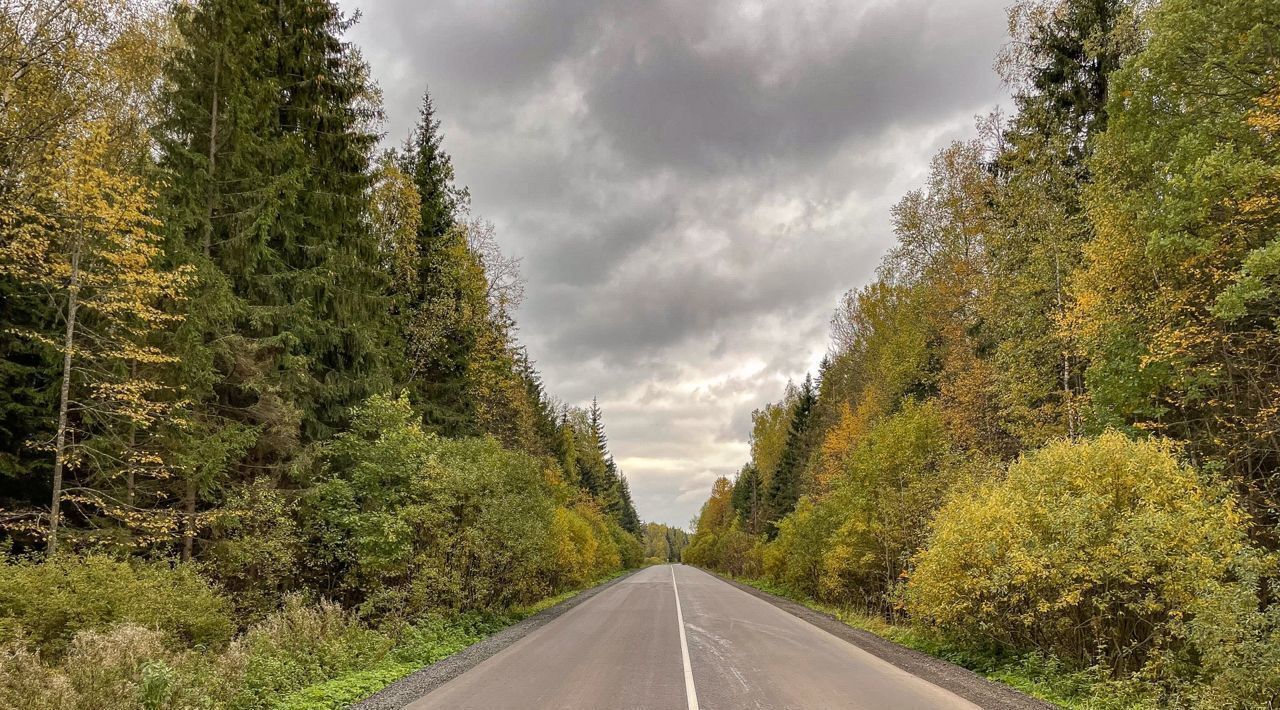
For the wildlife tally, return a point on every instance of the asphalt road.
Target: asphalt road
(674, 638)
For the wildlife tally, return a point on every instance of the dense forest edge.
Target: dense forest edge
(1044, 443)
(268, 437)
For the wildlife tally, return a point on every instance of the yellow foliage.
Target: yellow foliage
(584, 548)
(1092, 550)
(838, 444)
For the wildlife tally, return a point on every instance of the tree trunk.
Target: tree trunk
(60, 444)
(189, 521)
(1068, 406)
(133, 442)
(207, 243)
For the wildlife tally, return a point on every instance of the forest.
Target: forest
(268, 437)
(1046, 434)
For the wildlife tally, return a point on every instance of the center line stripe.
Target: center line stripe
(690, 694)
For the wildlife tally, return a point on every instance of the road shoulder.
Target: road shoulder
(961, 681)
(419, 683)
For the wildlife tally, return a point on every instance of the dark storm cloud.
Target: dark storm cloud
(666, 99)
(690, 185)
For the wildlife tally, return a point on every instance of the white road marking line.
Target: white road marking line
(690, 694)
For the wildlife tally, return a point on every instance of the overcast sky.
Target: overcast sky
(690, 185)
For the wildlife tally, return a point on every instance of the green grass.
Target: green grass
(1034, 674)
(419, 646)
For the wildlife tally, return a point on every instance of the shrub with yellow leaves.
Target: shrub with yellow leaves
(1096, 551)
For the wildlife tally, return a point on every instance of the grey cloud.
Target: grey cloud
(665, 100)
(690, 185)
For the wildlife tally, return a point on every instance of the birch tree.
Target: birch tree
(88, 240)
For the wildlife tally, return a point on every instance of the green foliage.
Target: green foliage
(48, 603)
(301, 656)
(1173, 304)
(117, 668)
(345, 690)
(296, 647)
(269, 201)
(795, 558)
(255, 546)
(438, 306)
(663, 543)
(786, 483)
(584, 543)
(1238, 639)
(895, 479)
(408, 522)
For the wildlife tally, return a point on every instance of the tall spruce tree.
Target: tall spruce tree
(265, 159)
(591, 451)
(266, 155)
(440, 328)
(748, 498)
(629, 519)
(330, 279)
(784, 487)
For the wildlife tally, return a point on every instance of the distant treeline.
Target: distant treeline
(663, 543)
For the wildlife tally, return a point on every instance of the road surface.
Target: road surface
(673, 637)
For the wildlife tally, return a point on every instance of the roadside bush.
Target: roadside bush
(447, 524)
(795, 559)
(699, 551)
(27, 683)
(1093, 551)
(254, 551)
(740, 553)
(491, 510)
(301, 656)
(585, 548)
(123, 667)
(47, 603)
(575, 548)
(126, 667)
(630, 549)
(1237, 637)
(890, 487)
(293, 648)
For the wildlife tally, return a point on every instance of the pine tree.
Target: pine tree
(267, 163)
(27, 376)
(629, 519)
(596, 418)
(217, 127)
(566, 448)
(544, 409)
(748, 498)
(323, 237)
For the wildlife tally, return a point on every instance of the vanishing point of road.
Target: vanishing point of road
(672, 637)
